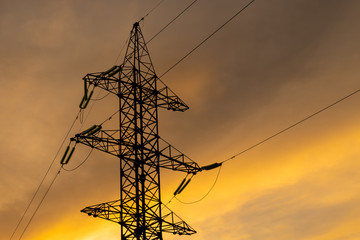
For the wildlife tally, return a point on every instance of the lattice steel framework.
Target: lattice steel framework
(137, 144)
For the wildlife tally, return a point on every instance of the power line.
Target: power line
(101, 98)
(79, 115)
(109, 118)
(37, 208)
(147, 14)
(292, 126)
(267, 139)
(121, 50)
(172, 21)
(207, 38)
(177, 16)
(151, 10)
(47, 172)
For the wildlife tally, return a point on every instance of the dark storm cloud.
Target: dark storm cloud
(274, 50)
(253, 59)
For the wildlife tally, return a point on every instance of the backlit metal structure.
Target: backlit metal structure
(142, 153)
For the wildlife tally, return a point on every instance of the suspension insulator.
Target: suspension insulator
(211, 166)
(110, 70)
(187, 182)
(88, 130)
(178, 188)
(95, 130)
(85, 88)
(64, 156)
(114, 72)
(70, 155)
(86, 101)
(82, 101)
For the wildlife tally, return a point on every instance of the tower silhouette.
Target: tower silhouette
(141, 151)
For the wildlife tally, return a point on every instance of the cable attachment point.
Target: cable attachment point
(211, 166)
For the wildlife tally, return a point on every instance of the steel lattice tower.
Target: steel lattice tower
(138, 146)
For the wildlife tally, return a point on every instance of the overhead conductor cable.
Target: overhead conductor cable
(207, 38)
(46, 174)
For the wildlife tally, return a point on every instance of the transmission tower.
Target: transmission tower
(136, 143)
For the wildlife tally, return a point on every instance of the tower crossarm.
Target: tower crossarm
(108, 211)
(105, 81)
(173, 159)
(111, 211)
(102, 140)
(169, 156)
(168, 99)
(172, 223)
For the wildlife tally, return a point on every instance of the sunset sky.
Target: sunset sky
(276, 63)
